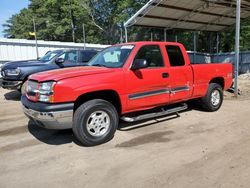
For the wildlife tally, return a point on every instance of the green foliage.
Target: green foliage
(19, 25)
(62, 20)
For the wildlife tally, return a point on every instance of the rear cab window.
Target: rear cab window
(175, 56)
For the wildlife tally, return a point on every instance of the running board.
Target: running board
(163, 112)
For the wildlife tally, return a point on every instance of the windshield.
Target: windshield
(49, 55)
(112, 57)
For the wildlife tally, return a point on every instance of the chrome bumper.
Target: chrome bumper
(50, 120)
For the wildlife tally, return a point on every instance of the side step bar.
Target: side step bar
(163, 112)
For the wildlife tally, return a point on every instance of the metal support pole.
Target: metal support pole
(72, 22)
(165, 34)
(237, 48)
(195, 46)
(121, 36)
(34, 27)
(84, 36)
(176, 38)
(151, 36)
(126, 34)
(217, 43)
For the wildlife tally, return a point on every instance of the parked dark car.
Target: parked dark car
(14, 74)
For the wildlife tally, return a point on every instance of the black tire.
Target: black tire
(207, 101)
(83, 115)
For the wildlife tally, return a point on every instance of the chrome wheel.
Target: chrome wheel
(98, 123)
(215, 98)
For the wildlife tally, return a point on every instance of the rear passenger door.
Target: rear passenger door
(85, 56)
(147, 87)
(180, 74)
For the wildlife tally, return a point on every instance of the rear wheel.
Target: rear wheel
(214, 98)
(95, 122)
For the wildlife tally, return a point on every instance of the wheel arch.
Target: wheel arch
(109, 95)
(218, 80)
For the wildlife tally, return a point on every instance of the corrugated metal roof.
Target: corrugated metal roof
(204, 15)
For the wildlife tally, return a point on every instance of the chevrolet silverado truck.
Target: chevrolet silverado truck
(14, 74)
(132, 82)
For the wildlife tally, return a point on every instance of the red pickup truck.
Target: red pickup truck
(124, 82)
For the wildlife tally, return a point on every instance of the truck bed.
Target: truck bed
(204, 72)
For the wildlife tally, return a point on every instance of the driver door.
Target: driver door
(70, 59)
(148, 87)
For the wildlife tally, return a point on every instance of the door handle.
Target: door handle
(165, 75)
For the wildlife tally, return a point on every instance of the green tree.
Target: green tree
(19, 25)
(108, 16)
(63, 19)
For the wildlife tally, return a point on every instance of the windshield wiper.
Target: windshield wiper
(99, 65)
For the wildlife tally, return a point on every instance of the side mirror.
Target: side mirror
(59, 60)
(139, 64)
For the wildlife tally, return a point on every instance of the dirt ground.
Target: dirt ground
(197, 149)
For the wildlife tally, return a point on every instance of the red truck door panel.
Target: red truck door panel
(180, 74)
(148, 87)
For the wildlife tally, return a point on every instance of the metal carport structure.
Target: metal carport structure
(193, 15)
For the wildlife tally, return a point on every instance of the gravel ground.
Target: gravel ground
(197, 149)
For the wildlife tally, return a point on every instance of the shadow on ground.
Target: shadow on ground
(13, 96)
(52, 137)
(125, 126)
(59, 137)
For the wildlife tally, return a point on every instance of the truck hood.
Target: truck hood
(20, 64)
(65, 73)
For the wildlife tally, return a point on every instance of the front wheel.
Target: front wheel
(214, 98)
(95, 122)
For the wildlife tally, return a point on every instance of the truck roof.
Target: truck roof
(151, 42)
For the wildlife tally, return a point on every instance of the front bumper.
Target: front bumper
(50, 116)
(9, 84)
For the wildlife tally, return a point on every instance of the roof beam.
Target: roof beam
(196, 11)
(229, 4)
(180, 29)
(214, 21)
(188, 21)
(188, 15)
(147, 7)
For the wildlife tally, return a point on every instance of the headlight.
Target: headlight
(12, 72)
(42, 92)
(45, 92)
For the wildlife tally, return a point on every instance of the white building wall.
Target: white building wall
(22, 49)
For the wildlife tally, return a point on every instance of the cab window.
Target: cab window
(152, 54)
(175, 56)
(70, 56)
